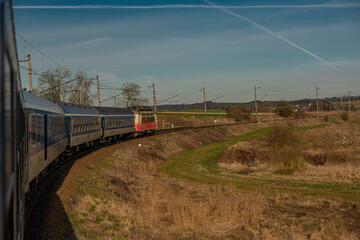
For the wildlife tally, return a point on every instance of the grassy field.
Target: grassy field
(199, 165)
(191, 114)
(202, 111)
(217, 184)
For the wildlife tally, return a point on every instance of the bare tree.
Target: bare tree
(80, 91)
(49, 84)
(132, 96)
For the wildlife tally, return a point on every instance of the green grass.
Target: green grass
(312, 127)
(198, 165)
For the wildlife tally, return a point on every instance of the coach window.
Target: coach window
(33, 130)
(53, 126)
(73, 121)
(56, 126)
(77, 124)
(38, 128)
(81, 124)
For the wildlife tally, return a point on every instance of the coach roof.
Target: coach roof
(37, 103)
(77, 109)
(114, 111)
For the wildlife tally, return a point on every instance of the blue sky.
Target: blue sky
(287, 50)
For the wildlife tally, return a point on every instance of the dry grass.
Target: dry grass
(118, 193)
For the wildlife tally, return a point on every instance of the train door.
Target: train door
(45, 136)
(102, 126)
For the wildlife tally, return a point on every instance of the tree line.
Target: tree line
(60, 85)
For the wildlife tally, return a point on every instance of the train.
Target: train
(37, 134)
(55, 130)
(12, 131)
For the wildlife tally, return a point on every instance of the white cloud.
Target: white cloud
(86, 43)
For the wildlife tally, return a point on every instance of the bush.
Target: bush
(239, 113)
(281, 136)
(284, 109)
(287, 149)
(300, 114)
(327, 118)
(345, 116)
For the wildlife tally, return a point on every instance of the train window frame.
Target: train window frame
(77, 124)
(38, 124)
(73, 124)
(33, 129)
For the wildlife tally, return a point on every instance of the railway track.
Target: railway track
(36, 203)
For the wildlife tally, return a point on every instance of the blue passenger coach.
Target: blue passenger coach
(82, 125)
(45, 136)
(116, 123)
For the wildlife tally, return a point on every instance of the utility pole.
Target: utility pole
(205, 103)
(317, 102)
(256, 112)
(341, 102)
(349, 100)
(98, 87)
(153, 85)
(30, 74)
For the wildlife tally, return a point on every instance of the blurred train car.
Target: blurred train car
(12, 132)
(116, 123)
(144, 121)
(82, 126)
(46, 137)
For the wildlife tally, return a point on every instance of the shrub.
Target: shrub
(288, 160)
(280, 136)
(284, 109)
(345, 116)
(299, 114)
(239, 113)
(327, 118)
(286, 149)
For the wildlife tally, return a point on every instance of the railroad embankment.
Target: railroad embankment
(256, 181)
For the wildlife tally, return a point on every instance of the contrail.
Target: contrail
(342, 5)
(272, 33)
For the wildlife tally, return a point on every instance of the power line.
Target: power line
(42, 53)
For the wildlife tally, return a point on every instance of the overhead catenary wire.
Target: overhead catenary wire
(42, 53)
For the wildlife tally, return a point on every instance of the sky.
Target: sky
(284, 48)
